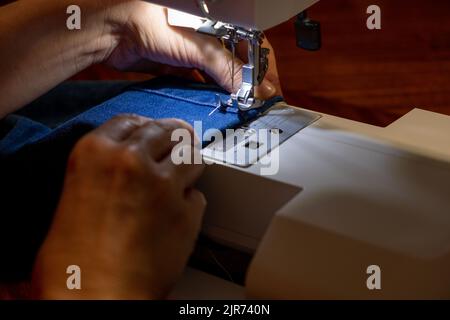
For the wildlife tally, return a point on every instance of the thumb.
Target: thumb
(218, 64)
(265, 90)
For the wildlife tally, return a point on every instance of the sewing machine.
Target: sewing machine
(233, 21)
(345, 196)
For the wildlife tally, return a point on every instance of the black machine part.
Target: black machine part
(308, 33)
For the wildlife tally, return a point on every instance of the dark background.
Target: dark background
(369, 76)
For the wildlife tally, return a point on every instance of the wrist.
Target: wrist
(51, 279)
(101, 276)
(101, 30)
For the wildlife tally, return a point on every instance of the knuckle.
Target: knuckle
(171, 124)
(90, 143)
(126, 159)
(87, 146)
(130, 117)
(85, 151)
(122, 121)
(165, 181)
(164, 186)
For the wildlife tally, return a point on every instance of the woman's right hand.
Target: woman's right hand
(128, 216)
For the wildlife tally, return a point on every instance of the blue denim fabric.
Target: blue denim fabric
(23, 131)
(163, 98)
(33, 157)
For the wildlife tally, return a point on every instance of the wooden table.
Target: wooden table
(370, 76)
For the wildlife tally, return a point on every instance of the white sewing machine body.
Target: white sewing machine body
(347, 195)
(249, 14)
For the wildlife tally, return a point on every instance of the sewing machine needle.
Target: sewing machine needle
(233, 53)
(218, 105)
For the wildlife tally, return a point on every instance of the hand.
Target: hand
(146, 37)
(126, 34)
(128, 217)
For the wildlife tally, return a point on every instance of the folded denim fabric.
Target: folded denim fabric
(33, 157)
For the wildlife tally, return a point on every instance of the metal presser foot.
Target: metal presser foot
(253, 72)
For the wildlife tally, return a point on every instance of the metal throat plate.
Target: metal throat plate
(250, 142)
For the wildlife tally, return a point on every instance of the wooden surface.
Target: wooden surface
(369, 76)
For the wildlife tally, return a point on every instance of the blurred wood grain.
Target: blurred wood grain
(370, 76)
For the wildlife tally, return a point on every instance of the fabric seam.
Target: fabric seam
(168, 95)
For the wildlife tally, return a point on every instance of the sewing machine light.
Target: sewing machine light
(177, 18)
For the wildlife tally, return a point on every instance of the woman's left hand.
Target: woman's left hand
(147, 38)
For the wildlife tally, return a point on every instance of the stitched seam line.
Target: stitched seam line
(168, 95)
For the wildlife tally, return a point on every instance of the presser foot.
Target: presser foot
(253, 72)
(233, 103)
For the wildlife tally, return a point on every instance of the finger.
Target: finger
(159, 69)
(185, 162)
(272, 72)
(188, 174)
(265, 90)
(270, 86)
(156, 137)
(189, 171)
(196, 203)
(218, 62)
(121, 127)
(209, 55)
